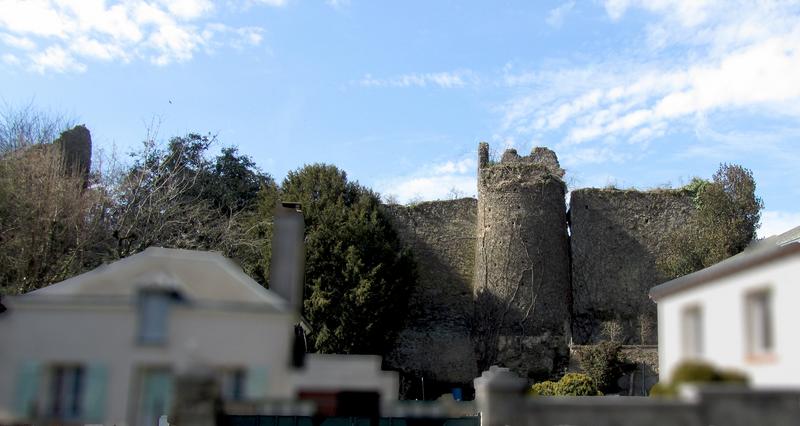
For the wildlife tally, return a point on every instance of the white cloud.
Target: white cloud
(273, 3)
(729, 57)
(446, 80)
(57, 59)
(337, 4)
(775, 222)
(10, 59)
(555, 18)
(434, 182)
(188, 9)
(22, 43)
(62, 35)
(593, 155)
(687, 13)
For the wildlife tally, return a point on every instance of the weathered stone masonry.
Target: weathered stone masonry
(522, 286)
(436, 343)
(513, 279)
(617, 236)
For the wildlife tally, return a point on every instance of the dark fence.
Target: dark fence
(265, 420)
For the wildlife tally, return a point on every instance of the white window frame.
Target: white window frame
(153, 308)
(759, 322)
(692, 332)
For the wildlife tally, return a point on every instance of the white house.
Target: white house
(105, 346)
(741, 313)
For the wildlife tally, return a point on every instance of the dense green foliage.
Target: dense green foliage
(546, 388)
(696, 372)
(576, 384)
(728, 213)
(570, 384)
(601, 362)
(358, 277)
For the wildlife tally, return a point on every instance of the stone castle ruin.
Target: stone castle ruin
(514, 278)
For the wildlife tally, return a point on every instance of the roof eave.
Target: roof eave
(727, 267)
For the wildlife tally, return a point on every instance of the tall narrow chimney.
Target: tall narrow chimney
(288, 254)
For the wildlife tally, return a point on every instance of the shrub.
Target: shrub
(663, 390)
(732, 377)
(601, 362)
(576, 384)
(693, 371)
(696, 372)
(546, 388)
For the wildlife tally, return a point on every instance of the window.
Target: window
(232, 384)
(65, 392)
(153, 317)
(692, 332)
(758, 327)
(155, 395)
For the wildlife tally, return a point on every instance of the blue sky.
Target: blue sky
(398, 94)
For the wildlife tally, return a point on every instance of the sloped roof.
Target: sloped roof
(761, 251)
(198, 276)
(787, 237)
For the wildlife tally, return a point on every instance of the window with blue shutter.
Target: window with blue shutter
(27, 390)
(155, 395)
(256, 384)
(94, 396)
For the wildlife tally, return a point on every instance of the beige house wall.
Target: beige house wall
(91, 334)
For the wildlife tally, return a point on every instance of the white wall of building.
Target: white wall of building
(106, 335)
(722, 304)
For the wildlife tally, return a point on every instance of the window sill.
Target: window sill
(761, 358)
(151, 343)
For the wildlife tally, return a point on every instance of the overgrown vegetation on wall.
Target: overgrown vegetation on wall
(728, 213)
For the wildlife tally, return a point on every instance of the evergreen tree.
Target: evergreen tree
(358, 277)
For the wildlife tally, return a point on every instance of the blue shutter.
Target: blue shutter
(27, 389)
(256, 383)
(93, 400)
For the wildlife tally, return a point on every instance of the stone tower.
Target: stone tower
(522, 270)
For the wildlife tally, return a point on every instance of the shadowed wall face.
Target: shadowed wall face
(436, 343)
(616, 238)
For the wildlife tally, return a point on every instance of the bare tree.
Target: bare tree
(50, 222)
(455, 194)
(25, 126)
(162, 199)
(612, 330)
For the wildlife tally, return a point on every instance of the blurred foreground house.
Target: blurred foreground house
(740, 313)
(106, 346)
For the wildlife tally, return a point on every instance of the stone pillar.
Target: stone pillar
(500, 395)
(196, 400)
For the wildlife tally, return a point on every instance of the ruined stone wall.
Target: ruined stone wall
(501, 281)
(436, 343)
(76, 145)
(522, 286)
(616, 238)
